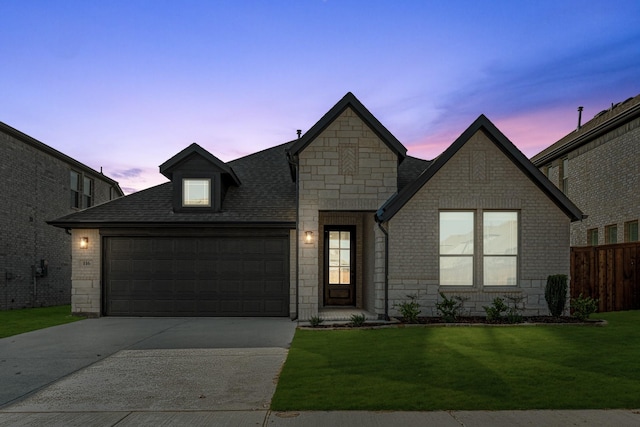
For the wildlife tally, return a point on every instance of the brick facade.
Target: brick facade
(347, 168)
(36, 182)
(478, 177)
(603, 171)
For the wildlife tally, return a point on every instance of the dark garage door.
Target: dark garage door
(197, 276)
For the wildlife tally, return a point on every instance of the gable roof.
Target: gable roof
(603, 122)
(393, 205)
(15, 133)
(266, 198)
(170, 165)
(349, 100)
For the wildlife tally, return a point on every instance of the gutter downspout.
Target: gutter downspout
(386, 268)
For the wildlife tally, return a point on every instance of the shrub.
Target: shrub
(450, 308)
(514, 314)
(495, 312)
(357, 319)
(409, 309)
(555, 293)
(315, 321)
(583, 307)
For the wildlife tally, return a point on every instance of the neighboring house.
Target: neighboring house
(597, 166)
(40, 183)
(340, 217)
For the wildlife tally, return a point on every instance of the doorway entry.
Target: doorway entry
(340, 265)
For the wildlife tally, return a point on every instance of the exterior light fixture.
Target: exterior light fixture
(308, 236)
(84, 242)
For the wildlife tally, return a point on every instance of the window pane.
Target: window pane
(334, 275)
(633, 231)
(456, 271)
(500, 271)
(334, 257)
(195, 192)
(456, 233)
(75, 180)
(345, 276)
(500, 232)
(334, 239)
(345, 239)
(345, 257)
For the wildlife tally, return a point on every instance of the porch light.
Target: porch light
(308, 236)
(84, 242)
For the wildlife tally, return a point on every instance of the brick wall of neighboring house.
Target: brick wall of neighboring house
(346, 168)
(35, 190)
(604, 177)
(478, 177)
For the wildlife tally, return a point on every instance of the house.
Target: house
(40, 183)
(340, 217)
(597, 167)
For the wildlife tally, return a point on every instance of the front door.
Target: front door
(339, 265)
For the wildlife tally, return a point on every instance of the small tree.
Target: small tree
(555, 293)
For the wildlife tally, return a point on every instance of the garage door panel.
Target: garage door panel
(197, 276)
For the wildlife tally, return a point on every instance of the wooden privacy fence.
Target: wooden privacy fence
(609, 273)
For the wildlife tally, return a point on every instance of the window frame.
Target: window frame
(87, 198)
(185, 181)
(462, 255)
(631, 231)
(511, 255)
(591, 234)
(564, 178)
(75, 193)
(609, 231)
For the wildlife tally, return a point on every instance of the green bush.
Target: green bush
(583, 307)
(555, 293)
(450, 308)
(358, 319)
(514, 314)
(495, 312)
(315, 321)
(409, 309)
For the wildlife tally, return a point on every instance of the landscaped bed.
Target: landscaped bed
(487, 368)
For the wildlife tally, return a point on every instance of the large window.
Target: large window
(456, 248)
(196, 192)
(497, 256)
(500, 248)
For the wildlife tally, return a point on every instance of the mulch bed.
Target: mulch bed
(463, 321)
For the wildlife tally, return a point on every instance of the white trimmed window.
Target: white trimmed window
(456, 248)
(196, 192)
(500, 248)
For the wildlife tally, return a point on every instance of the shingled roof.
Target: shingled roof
(266, 196)
(603, 122)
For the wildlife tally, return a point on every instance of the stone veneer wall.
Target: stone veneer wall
(604, 177)
(478, 177)
(86, 277)
(346, 168)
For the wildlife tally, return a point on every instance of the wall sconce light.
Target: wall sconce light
(308, 236)
(84, 242)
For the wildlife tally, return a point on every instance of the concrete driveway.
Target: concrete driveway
(144, 364)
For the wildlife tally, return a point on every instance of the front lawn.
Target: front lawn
(465, 368)
(14, 322)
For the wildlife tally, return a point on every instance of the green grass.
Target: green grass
(14, 322)
(465, 368)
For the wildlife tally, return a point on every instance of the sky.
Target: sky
(123, 86)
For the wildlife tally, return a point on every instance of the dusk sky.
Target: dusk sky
(125, 85)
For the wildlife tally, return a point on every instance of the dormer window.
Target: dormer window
(196, 192)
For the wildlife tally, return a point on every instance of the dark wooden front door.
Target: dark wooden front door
(339, 265)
